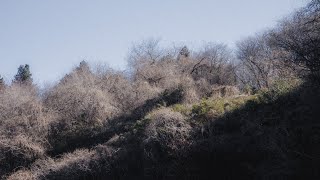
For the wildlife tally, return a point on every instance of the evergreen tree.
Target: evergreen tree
(184, 52)
(23, 76)
(2, 84)
(84, 66)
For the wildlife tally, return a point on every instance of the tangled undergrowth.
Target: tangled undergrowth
(84, 134)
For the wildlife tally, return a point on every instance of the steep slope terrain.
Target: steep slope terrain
(271, 135)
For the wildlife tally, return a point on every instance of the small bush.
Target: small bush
(122, 91)
(83, 109)
(23, 174)
(191, 91)
(181, 108)
(143, 91)
(278, 89)
(71, 165)
(224, 91)
(211, 108)
(168, 129)
(18, 152)
(166, 138)
(80, 164)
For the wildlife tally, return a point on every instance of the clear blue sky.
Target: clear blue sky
(54, 35)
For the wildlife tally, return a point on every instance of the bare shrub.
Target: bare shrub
(23, 127)
(161, 74)
(76, 160)
(150, 63)
(75, 102)
(224, 91)
(83, 115)
(144, 91)
(18, 152)
(82, 108)
(22, 175)
(168, 129)
(203, 87)
(190, 96)
(80, 164)
(166, 139)
(21, 112)
(130, 94)
(71, 165)
(25, 145)
(194, 74)
(122, 91)
(191, 93)
(81, 74)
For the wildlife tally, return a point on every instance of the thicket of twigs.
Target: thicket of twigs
(175, 113)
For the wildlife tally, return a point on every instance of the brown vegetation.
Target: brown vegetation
(175, 113)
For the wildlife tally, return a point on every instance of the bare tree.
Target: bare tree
(214, 63)
(298, 35)
(147, 51)
(150, 63)
(256, 61)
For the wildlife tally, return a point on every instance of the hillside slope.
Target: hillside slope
(272, 135)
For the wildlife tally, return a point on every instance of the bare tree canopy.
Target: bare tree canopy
(299, 35)
(215, 64)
